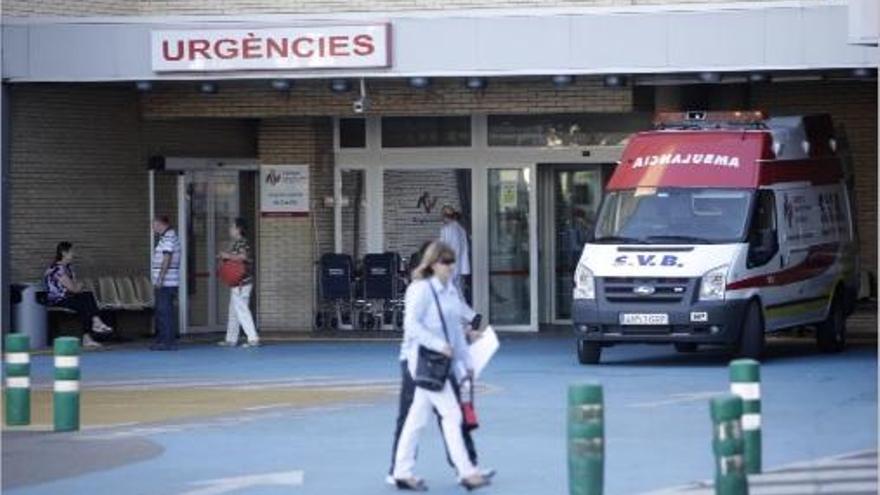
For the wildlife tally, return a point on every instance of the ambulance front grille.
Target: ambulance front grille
(654, 290)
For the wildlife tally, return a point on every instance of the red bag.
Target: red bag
(232, 272)
(468, 411)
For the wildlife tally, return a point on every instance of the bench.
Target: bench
(113, 295)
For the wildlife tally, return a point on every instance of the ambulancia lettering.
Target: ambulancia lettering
(686, 159)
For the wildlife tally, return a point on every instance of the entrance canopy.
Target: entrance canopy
(742, 36)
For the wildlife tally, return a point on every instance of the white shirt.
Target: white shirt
(167, 244)
(454, 235)
(422, 325)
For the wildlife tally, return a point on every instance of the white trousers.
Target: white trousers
(420, 412)
(240, 314)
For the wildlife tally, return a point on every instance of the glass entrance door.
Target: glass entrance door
(570, 199)
(212, 202)
(511, 253)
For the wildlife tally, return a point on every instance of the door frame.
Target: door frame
(547, 198)
(479, 158)
(184, 166)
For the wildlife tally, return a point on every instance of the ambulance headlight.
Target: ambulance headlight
(713, 284)
(584, 283)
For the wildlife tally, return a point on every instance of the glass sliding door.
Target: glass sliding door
(213, 201)
(576, 198)
(510, 246)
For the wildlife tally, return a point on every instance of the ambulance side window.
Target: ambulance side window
(763, 235)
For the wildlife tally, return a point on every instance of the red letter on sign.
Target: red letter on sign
(199, 47)
(273, 47)
(338, 45)
(300, 53)
(226, 53)
(364, 45)
(168, 56)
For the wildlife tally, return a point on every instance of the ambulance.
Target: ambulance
(717, 229)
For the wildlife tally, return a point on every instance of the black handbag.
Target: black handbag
(432, 367)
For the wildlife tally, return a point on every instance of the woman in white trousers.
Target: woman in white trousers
(432, 302)
(240, 316)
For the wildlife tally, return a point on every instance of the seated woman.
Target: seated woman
(65, 291)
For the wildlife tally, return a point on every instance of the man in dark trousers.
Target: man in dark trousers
(165, 272)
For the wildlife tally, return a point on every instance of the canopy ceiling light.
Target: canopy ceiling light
(282, 84)
(562, 80)
(864, 73)
(475, 83)
(710, 77)
(759, 77)
(614, 81)
(340, 85)
(144, 86)
(419, 82)
(208, 88)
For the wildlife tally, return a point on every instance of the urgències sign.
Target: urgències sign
(322, 47)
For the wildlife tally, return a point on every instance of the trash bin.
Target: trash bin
(29, 314)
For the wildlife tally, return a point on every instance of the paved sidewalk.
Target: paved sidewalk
(851, 474)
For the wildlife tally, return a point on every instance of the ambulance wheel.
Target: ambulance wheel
(686, 347)
(589, 352)
(831, 333)
(751, 340)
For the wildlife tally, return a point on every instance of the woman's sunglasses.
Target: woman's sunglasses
(446, 261)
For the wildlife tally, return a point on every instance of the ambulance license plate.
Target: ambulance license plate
(644, 319)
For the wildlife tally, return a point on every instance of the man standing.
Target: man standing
(165, 271)
(455, 236)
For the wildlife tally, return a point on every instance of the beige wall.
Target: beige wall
(78, 172)
(76, 175)
(290, 246)
(387, 97)
(221, 7)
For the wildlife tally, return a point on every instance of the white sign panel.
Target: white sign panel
(312, 47)
(284, 190)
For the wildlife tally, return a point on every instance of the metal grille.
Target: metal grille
(662, 290)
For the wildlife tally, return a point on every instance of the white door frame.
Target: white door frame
(479, 158)
(183, 165)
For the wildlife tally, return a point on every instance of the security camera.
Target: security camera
(359, 105)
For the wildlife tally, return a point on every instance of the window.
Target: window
(426, 132)
(763, 240)
(674, 215)
(352, 133)
(564, 130)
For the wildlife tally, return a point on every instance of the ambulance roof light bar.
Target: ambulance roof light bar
(709, 120)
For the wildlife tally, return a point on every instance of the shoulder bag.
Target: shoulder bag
(432, 367)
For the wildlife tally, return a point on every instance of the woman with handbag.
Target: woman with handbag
(433, 349)
(238, 267)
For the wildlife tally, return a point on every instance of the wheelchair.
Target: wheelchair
(383, 290)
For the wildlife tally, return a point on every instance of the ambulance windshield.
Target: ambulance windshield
(674, 216)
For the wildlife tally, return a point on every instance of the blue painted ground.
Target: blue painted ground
(658, 429)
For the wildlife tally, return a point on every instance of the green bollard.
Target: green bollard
(586, 439)
(727, 444)
(745, 381)
(18, 381)
(66, 398)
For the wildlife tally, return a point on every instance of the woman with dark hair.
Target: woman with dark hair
(240, 295)
(66, 292)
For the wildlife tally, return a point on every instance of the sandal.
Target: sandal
(475, 482)
(411, 484)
